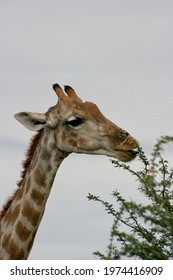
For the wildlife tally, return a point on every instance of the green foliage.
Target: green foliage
(143, 231)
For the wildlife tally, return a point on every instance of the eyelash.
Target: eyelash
(75, 122)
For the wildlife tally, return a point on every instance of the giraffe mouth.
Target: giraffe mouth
(126, 155)
(120, 154)
(134, 152)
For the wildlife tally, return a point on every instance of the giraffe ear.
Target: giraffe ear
(32, 121)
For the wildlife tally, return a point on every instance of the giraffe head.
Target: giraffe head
(80, 127)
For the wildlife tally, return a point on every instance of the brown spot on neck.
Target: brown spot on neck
(40, 177)
(15, 252)
(30, 213)
(22, 232)
(29, 156)
(13, 215)
(37, 197)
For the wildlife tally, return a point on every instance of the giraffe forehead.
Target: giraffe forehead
(85, 110)
(94, 112)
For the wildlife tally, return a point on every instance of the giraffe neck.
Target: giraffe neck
(21, 219)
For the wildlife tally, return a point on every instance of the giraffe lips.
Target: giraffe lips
(126, 155)
(133, 152)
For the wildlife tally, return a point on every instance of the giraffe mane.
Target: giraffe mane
(26, 163)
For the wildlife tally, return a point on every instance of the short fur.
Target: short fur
(29, 155)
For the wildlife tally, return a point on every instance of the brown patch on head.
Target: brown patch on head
(82, 141)
(30, 213)
(94, 112)
(72, 142)
(64, 136)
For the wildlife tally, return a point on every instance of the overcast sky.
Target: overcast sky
(116, 53)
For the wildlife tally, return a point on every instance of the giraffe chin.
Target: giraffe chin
(122, 155)
(126, 155)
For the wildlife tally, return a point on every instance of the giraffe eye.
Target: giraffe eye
(74, 122)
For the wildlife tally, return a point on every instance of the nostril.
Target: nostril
(123, 135)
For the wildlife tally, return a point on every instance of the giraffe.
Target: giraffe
(70, 126)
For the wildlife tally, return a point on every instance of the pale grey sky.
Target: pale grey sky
(116, 53)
